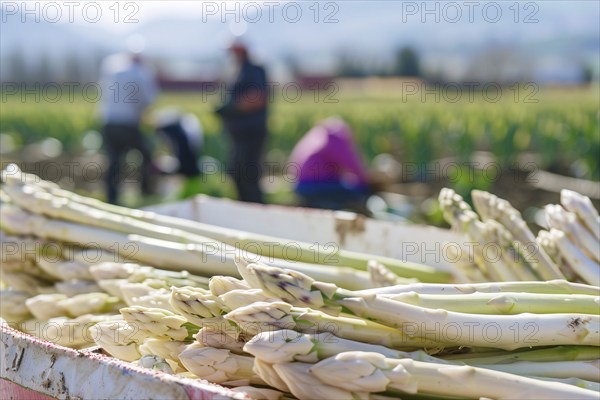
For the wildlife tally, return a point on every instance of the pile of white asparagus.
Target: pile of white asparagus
(507, 250)
(81, 273)
(60, 300)
(40, 209)
(280, 334)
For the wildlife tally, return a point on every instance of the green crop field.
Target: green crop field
(559, 126)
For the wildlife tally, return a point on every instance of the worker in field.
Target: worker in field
(330, 172)
(244, 115)
(128, 88)
(185, 136)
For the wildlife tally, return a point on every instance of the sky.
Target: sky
(445, 32)
(461, 21)
(125, 16)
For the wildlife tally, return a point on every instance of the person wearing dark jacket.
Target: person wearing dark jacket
(244, 115)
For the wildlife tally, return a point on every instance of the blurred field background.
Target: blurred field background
(555, 129)
(542, 133)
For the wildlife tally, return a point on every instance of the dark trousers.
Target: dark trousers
(118, 140)
(248, 141)
(332, 196)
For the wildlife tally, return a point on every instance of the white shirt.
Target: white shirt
(127, 89)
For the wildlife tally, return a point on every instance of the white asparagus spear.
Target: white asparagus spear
(558, 286)
(371, 372)
(76, 286)
(119, 338)
(219, 285)
(587, 370)
(568, 222)
(46, 306)
(268, 374)
(219, 365)
(581, 264)
(583, 207)
(306, 386)
(12, 306)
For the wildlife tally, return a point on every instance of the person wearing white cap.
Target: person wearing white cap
(128, 88)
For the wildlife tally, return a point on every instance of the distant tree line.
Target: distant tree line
(47, 68)
(406, 63)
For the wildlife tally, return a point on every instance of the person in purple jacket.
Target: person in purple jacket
(330, 172)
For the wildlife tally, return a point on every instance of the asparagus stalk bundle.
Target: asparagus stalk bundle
(295, 326)
(56, 203)
(291, 348)
(518, 255)
(361, 372)
(256, 317)
(354, 375)
(573, 236)
(503, 228)
(196, 258)
(164, 337)
(571, 249)
(583, 266)
(568, 222)
(422, 323)
(285, 346)
(55, 309)
(491, 207)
